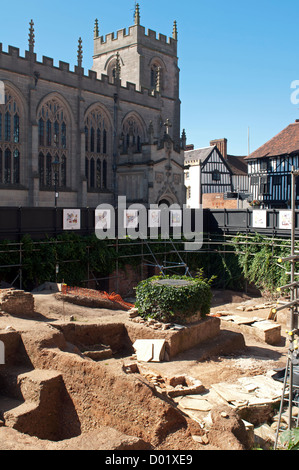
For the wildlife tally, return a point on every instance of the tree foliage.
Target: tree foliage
(258, 260)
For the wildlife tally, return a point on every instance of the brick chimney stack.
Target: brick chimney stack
(221, 144)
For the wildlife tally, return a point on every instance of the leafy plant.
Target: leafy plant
(258, 260)
(290, 439)
(173, 302)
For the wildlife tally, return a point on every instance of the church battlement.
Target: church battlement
(139, 56)
(22, 65)
(135, 34)
(105, 125)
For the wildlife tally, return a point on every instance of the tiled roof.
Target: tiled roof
(238, 165)
(198, 154)
(284, 143)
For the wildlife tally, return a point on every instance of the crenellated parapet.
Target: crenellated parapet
(92, 122)
(134, 34)
(12, 61)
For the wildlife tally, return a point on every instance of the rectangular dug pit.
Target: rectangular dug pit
(99, 340)
(95, 341)
(178, 385)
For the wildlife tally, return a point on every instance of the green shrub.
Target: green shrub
(258, 261)
(290, 439)
(169, 302)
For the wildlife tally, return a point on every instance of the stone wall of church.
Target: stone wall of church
(34, 84)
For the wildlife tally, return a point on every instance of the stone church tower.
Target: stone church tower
(143, 59)
(148, 145)
(96, 135)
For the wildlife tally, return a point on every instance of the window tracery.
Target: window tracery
(97, 143)
(10, 139)
(53, 128)
(132, 133)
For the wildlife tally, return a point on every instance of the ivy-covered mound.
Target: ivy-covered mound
(173, 298)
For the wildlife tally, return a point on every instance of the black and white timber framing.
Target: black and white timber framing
(214, 174)
(270, 180)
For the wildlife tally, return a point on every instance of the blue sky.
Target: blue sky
(237, 59)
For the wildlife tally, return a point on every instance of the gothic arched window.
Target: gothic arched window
(156, 76)
(114, 69)
(132, 133)
(53, 131)
(98, 136)
(10, 139)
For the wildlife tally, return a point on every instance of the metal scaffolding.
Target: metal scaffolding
(293, 354)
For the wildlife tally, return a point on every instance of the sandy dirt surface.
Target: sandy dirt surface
(256, 358)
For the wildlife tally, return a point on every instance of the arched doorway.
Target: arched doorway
(164, 202)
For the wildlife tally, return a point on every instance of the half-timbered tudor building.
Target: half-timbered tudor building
(213, 178)
(269, 169)
(114, 131)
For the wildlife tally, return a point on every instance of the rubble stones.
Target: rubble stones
(133, 312)
(151, 323)
(17, 302)
(204, 440)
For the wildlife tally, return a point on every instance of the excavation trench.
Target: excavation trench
(62, 380)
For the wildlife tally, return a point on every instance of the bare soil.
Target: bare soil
(112, 410)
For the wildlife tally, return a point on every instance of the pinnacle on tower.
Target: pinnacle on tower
(183, 140)
(31, 40)
(96, 29)
(137, 14)
(158, 80)
(175, 31)
(117, 67)
(80, 52)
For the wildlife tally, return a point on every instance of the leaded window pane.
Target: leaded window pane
(104, 174)
(10, 140)
(49, 170)
(41, 130)
(49, 133)
(53, 140)
(16, 167)
(63, 171)
(16, 131)
(97, 145)
(63, 135)
(41, 169)
(1, 166)
(7, 167)
(92, 173)
(7, 128)
(99, 173)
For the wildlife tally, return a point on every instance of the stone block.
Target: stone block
(268, 331)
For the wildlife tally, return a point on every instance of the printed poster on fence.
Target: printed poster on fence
(176, 218)
(259, 218)
(131, 218)
(154, 218)
(285, 220)
(71, 219)
(103, 219)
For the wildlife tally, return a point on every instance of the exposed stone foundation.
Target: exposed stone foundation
(17, 302)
